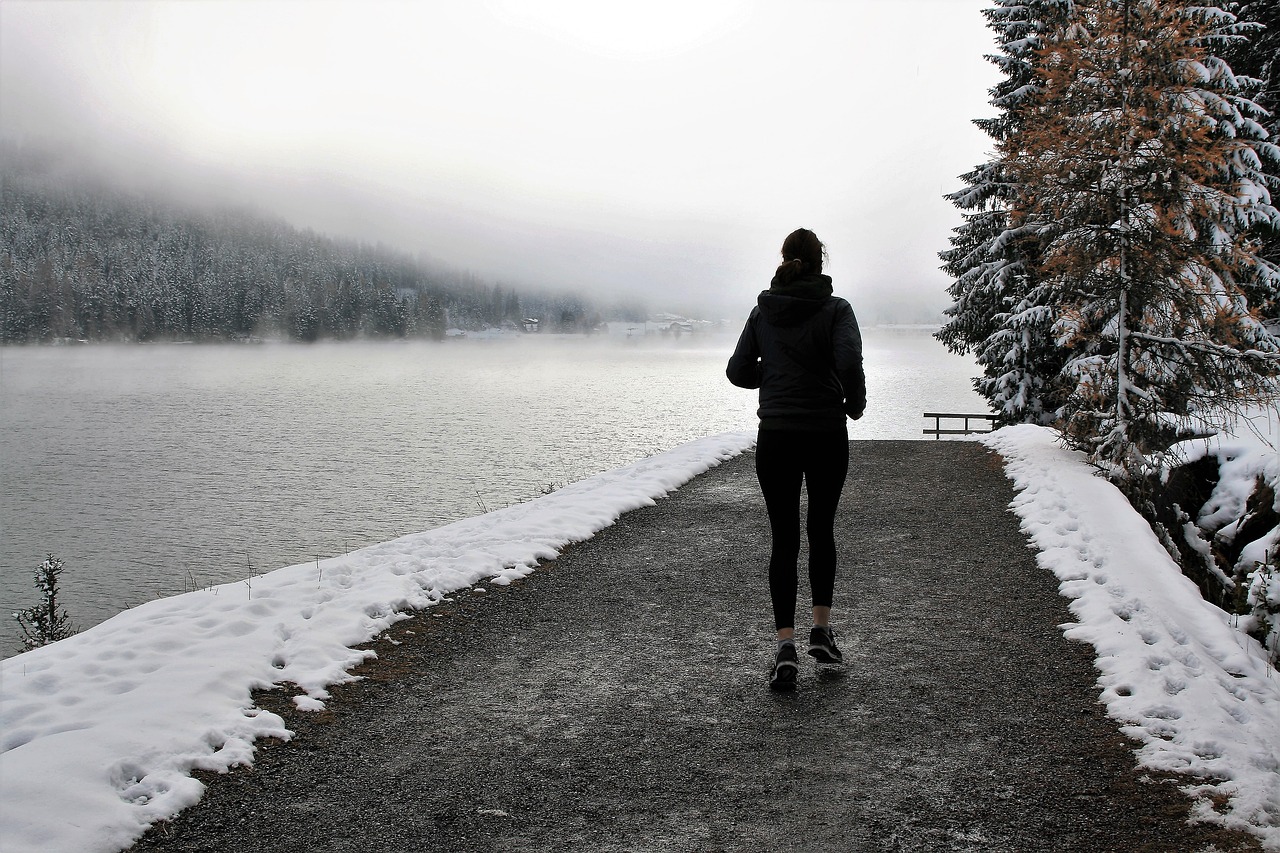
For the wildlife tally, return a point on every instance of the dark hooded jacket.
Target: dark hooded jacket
(801, 347)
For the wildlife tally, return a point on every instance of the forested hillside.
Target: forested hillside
(82, 260)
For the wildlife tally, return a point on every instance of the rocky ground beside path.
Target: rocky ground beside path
(616, 700)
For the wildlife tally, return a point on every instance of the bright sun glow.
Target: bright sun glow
(624, 31)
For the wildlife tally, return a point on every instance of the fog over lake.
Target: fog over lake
(661, 149)
(154, 469)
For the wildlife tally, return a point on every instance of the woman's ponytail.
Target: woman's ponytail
(789, 270)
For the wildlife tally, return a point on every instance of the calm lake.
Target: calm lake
(152, 470)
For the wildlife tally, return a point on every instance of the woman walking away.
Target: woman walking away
(801, 347)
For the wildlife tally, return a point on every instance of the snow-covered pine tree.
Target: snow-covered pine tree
(997, 313)
(1254, 55)
(1253, 50)
(45, 622)
(1142, 151)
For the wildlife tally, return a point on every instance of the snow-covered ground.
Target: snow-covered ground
(100, 731)
(1196, 694)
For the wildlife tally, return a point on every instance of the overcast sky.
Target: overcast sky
(659, 148)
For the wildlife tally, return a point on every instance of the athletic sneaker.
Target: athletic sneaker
(822, 645)
(785, 667)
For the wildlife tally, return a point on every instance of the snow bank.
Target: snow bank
(1196, 694)
(101, 731)
(1243, 461)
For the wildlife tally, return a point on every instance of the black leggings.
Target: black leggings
(785, 458)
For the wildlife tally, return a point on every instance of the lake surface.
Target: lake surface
(152, 470)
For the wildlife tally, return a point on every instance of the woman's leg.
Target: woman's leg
(779, 471)
(826, 466)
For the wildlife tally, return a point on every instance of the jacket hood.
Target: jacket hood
(793, 302)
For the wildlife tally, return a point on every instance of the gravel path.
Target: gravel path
(616, 700)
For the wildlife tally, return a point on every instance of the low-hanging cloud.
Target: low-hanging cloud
(598, 147)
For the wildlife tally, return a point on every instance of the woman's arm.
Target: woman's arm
(744, 364)
(847, 343)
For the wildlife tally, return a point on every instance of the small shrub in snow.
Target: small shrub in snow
(1263, 602)
(45, 622)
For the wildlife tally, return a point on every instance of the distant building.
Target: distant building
(676, 326)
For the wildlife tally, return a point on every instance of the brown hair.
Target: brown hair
(802, 254)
